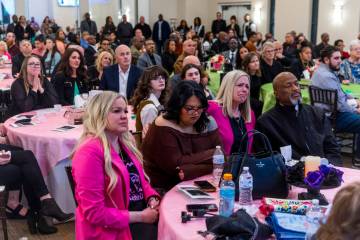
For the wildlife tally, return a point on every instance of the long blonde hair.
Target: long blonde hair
(343, 222)
(226, 93)
(95, 124)
(99, 66)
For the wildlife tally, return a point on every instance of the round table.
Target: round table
(51, 148)
(268, 97)
(6, 78)
(171, 228)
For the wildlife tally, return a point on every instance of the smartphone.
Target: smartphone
(205, 186)
(64, 128)
(211, 207)
(26, 123)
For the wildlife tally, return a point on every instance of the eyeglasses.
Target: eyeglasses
(191, 109)
(158, 78)
(269, 51)
(34, 65)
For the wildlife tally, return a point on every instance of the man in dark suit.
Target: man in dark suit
(161, 32)
(88, 25)
(144, 27)
(218, 25)
(149, 58)
(122, 77)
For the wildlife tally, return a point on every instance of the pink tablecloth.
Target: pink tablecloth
(171, 228)
(6, 78)
(48, 146)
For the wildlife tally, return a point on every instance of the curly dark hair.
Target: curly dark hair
(143, 88)
(65, 68)
(181, 93)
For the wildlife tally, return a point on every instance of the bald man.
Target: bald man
(189, 48)
(174, 80)
(305, 128)
(121, 77)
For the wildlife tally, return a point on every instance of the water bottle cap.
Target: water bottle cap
(218, 147)
(227, 176)
(246, 168)
(315, 202)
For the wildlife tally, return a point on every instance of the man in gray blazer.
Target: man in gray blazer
(88, 25)
(149, 58)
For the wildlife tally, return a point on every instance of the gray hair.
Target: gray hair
(353, 43)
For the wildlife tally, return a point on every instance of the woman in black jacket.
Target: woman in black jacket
(71, 77)
(169, 57)
(31, 90)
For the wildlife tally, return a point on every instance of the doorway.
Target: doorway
(237, 9)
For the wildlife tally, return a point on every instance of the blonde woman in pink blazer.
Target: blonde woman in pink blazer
(115, 200)
(231, 110)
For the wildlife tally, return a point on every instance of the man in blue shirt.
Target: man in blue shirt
(325, 77)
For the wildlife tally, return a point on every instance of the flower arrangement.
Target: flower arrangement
(216, 62)
(326, 175)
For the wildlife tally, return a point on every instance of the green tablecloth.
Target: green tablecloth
(214, 83)
(267, 94)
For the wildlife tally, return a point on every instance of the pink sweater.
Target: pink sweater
(223, 122)
(96, 215)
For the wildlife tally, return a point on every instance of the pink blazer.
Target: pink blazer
(223, 122)
(96, 215)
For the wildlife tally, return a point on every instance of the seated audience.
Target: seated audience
(121, 77)
(70, 79)
(303, 63)
(350, 68)
(221, 44)
(149, 97)
(115, 201)
(31, 90)
(17, 60)
(20, 169)
(91, 51)
(324, 43)
(169, 56)
(339, 44)
(325, 77)
(104, 45)
(144, 27)
(251, 43)
(51, 57)
(149, 57)
(305, 128)
(60, 41)
(189, 47)
(289, 46)
(251, 65)
(268, 65)
(12, 47)
(231, 110)
(180, 144)
(343, 219)
(231, 54)
(194, 73)
(95, 72)
(4, 54)
(207, 45)
(176, 78)
(40, 47)
(137, 48)
(279, 56)
(243, 51)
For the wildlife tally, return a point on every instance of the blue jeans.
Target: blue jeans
(349, 122)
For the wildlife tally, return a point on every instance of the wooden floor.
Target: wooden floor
(66, 231)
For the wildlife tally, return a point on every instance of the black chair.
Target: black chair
(3, 211)
(328, 99)
(71, 181)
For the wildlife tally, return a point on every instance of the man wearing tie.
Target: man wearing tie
(121, 77)
(231, 54)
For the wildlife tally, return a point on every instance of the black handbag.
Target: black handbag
(267, 168)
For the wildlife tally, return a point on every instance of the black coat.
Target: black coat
(268, 72)
(145, 29)
(17, 61)
(168, 60)
(23, 102)
(308, 132)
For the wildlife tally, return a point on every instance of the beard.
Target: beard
(295, 101)
(334, 68)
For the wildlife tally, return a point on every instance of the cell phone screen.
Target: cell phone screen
(208, 207)
(26, 123)
(205, 185)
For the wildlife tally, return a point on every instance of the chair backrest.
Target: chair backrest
(71, 181)
(326, 99)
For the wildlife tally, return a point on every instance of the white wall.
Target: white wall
(288, 17)
(168, 8)
(99, 11)
(347, 29)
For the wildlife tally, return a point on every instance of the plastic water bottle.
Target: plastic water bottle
(245, 187)
(218, 164)
(313, 216)
(227, 196)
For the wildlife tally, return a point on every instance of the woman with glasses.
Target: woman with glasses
(251, 65)
(269, 66)
(31, 90)
(149, 97)
(71, 78)
(231, 110)
(180, 143)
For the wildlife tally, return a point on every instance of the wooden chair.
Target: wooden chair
(3, 211)
(328, 100)
(71, 181)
